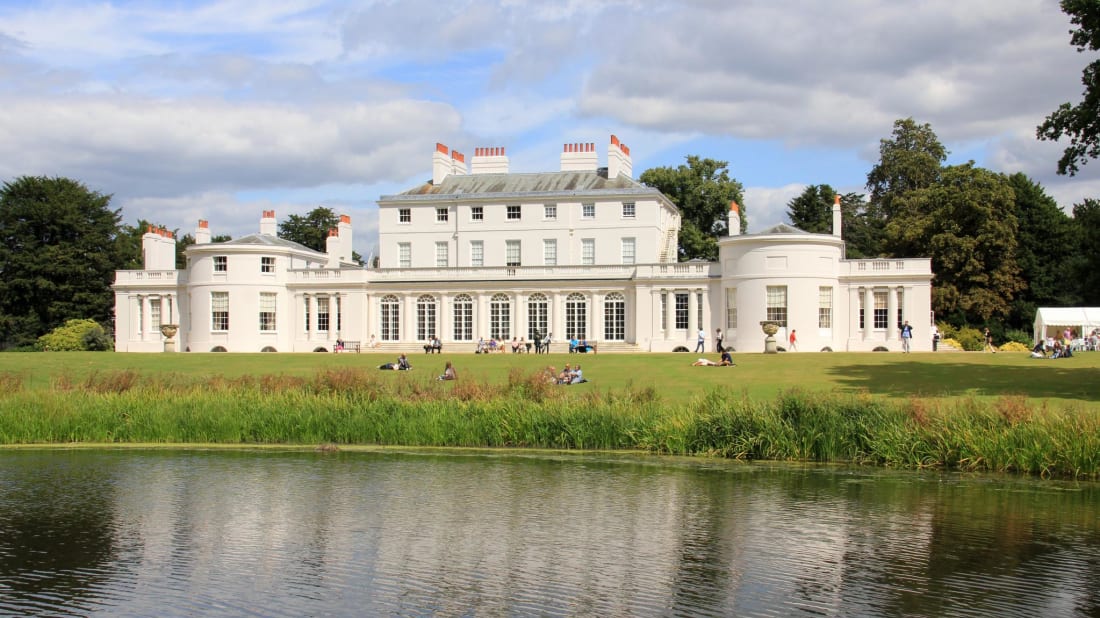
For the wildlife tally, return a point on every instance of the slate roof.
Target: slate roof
(518, 184)
(266, 240)
(782, 228)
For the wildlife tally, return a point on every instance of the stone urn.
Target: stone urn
(770, 329)
(169, 331)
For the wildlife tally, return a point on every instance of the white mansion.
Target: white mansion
(585, 252)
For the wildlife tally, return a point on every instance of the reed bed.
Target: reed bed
(346, 406)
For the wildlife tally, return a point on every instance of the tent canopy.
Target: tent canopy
(1051, 320)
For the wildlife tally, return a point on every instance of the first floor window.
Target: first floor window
(322, 314)
(308, 323)
(425, 317)
(628, 210)
(881, 309)
(550, 211)
(614, 317)
(825, 307)
(221, 263)
(699, 311)
(588, 251)
(576, 316)
(682, 299)
(154, 314)
(777, 304)
(628, 250)
(511, 253)
(477, 253)
(404, 255)
(404, 215)
(441, 254)
(500, 317)
(588, 211)
(441, 215)
(267, 311)
(513, 212)
(731, 308)
(549, 252)
(219, 311)
(391, 318)
(538, 316)
(267, 264)
(477, 213)
(463, 319)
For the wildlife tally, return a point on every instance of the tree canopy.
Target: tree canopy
(1080, 122)
(702, 190)
(58, 257)
(967, 224)
(812, 211)
(312, 229)
(911, 159)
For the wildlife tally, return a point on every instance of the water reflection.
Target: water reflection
(296, 533)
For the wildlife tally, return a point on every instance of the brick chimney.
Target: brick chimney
(202, 233)
(836, 216)
(734, 223)
(344, 231)
(579, 157)
(332, 247)
(618, 160)
(268, 224)
(158, 249)
(441, 163)
(489, 161)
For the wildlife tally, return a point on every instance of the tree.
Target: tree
(911, 160)
(1081, 122)
(75, 336)
(967, 224)
(1086, 218)
(312, 229)
(812, 211)
(702, 190)
(1048, 250)
(58, 256)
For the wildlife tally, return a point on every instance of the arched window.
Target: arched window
(614, 317)
(576, 316)
(500, 317)
(463, 317)
(391, 318)
(538, 316)
(425, 317)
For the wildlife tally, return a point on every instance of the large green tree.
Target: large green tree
(812, 211)
(966, 222)
(911, 159)
(702, 190)
(1081, 122)
(312, 229)
(1048, 251)
(1086, 218)
(58, 256)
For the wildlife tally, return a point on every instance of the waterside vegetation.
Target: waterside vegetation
(345, 401)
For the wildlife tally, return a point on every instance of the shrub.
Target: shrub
(1014, 346)
(75, 336)
(947, 331)
(971, 339)
(1019, 336)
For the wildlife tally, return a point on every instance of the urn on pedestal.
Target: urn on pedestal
(770, 329)
(169, 331)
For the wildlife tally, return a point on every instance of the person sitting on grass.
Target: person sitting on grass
(727, 360)
(449, 372)
(578, 376)
(566, 375)
(403, 363)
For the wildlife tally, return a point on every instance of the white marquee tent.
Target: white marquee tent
(1052, 320)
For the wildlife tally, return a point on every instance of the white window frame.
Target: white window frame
(477, 253)
(221, 263)
(442, 215)
(513, 253)
(404, 216)
(576, 316)
(550, 212)
(513, 212)
(824, 307)
(731, 309)
(427, 321)
(462, 311)
(614, 317)
(267, 264)
(538, 316)
(324, 314)
(629, 250)
(268, 305)
(390, 317)
(549, 252)
(477, 213)
(442, 254)
(404, 255)
(776, 303)
(588, 210)
(500, 317)
(630, 210)
(154, 314)
(219, 312)
(588, 251)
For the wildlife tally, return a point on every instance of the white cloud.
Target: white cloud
(767, 206)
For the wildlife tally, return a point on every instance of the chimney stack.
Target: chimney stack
(202, 233)
(332, 247)
(579, 157)
(735, 219)
(836, 217)
(344, 231)
(158, 249)
(618, 160)
(267, 223)
(489, 161)
(458, 163)
(441, 163)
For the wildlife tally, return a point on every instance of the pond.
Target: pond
(451, 533)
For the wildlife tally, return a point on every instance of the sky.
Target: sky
(220, 110)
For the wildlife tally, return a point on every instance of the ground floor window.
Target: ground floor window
(391, 318)
(267, 312)
(219, 311)
(538, 316)
(154, 314)
(322, 314)
(682, 299)
(463, 309)
(825, 307)
(901, 305)
(576, 317)
(500, 317)
(777, 304)
(731, 308)
(425, 317)
(614, 317)
(881, 309)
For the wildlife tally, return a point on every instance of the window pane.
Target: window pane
(825, 307)
(512, 253)
(777, 304)
(477, 253)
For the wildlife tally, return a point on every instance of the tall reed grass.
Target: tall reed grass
(346, 406)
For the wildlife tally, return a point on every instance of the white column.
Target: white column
(481, 317)
(596, 321)
(313, 317)
(892, 314)
(692, 332)
(670, 312)
(408, 326)
(557, 316)
(854, 327)
(146, 318)
(442, 316)
(868, 312)
(519, 316)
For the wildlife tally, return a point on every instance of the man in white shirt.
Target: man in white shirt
(701, 346)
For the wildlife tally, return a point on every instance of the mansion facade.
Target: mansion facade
(479, 252)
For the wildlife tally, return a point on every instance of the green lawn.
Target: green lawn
(1064, 382)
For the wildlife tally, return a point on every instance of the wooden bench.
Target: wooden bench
(349, 346)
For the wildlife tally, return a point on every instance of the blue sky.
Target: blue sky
(220, 110)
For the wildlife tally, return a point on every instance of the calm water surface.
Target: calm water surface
(246, 533)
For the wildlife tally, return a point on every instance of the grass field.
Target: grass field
(1069, 383)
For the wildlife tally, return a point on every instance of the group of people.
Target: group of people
(403, 364)
(1066, 344)
(724, 361)
(433, 344)
(581, 346)
(568, 375)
